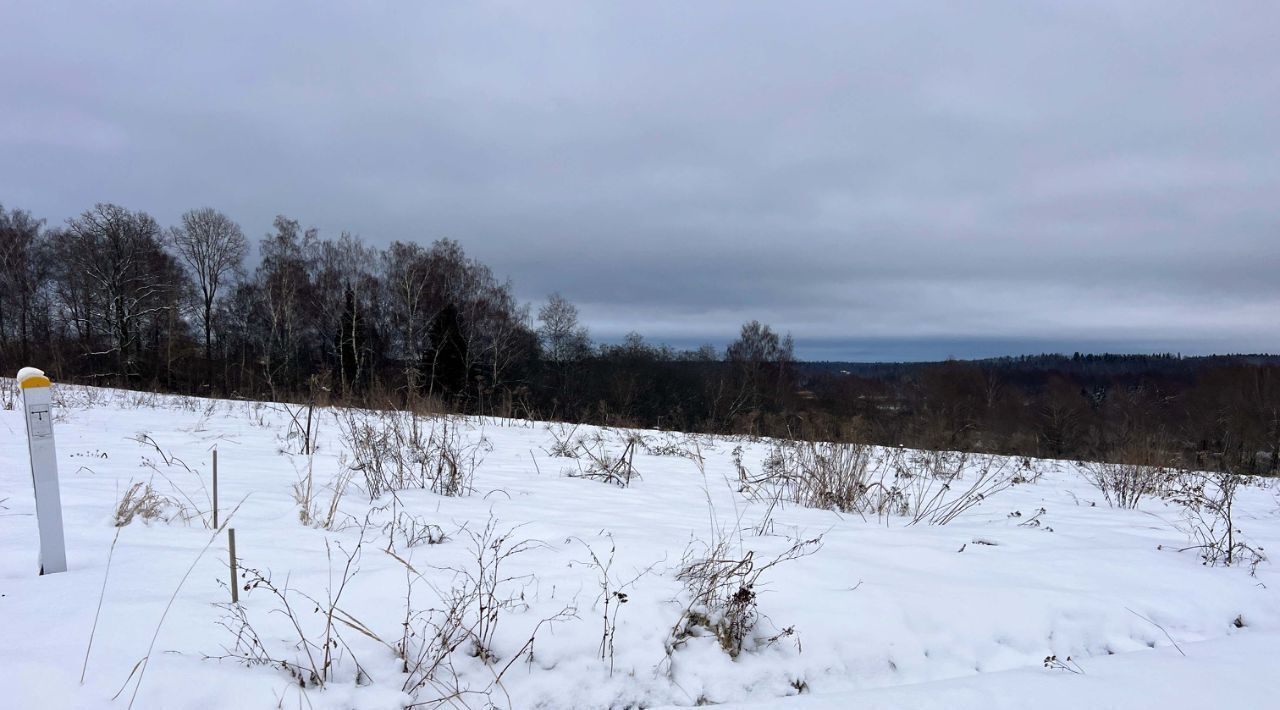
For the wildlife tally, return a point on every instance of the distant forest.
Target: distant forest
(113, 298)
(1085, 364)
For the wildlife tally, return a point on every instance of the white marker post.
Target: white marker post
(44, 468)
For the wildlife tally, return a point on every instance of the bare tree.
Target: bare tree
(121, 281)
(344, 307)
(213, 248)
(563, 339)
(420, 284)
(285, 292)
(405, 275)
(23, 269)
(508, 338)
(763, 365)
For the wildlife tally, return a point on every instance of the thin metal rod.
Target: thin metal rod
(235, 577)
(215, 488)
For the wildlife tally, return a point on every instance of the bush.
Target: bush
(1208, 501)
(400, 450)
(923, 486)
(1124, 485)
(605, 465)
(722, 598)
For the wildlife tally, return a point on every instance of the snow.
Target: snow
(885, 615)
(27, 373)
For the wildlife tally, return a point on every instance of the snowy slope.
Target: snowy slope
(882, 615)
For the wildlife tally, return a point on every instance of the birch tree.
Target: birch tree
(212, 247)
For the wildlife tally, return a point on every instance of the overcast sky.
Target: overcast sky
(884, 180)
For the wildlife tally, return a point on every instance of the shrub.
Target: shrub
(721, 592)
(932, 487)
(1208, 501)
(400, 450)
(606, 466)
(1124, 485)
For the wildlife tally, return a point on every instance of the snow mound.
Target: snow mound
(27, 373)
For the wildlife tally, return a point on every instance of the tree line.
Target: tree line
(111, 297)
(1220, 412)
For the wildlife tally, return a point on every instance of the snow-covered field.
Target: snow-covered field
(880, 614)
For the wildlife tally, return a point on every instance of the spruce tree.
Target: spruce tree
(446, 362)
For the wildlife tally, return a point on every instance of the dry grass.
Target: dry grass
(602, 464)
(8, 392)
(320, 630)
(933, 487)
(314, 512)
(142, 501)
(396, 451)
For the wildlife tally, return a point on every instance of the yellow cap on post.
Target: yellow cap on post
(36, 381)
(32, 377)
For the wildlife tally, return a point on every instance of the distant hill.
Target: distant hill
(1077, 363)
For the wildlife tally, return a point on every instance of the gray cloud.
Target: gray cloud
(922, 178)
